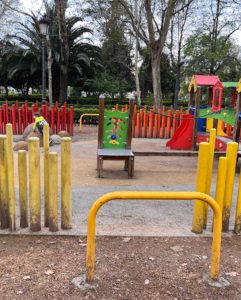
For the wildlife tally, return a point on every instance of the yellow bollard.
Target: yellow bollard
(34, 183)
(221, 178)
(210, 171)
(53, 191)
(66, 205)
(201, 186)
(46, 174)
(232, 150)
(4, 215)
(23, 194)
(237, 225)
(10, 166)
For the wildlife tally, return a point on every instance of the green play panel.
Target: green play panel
(226, 114)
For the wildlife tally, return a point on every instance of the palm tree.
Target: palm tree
(83, 55)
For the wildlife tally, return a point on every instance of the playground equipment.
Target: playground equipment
(187, 135)
(7, 187)
(21, 116)
(124, 195)
(114, 137)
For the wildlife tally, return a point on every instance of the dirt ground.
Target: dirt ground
(136, 268)
(41, 267)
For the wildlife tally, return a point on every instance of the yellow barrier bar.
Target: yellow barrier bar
(53, 191)
(23, 194)
(232, 150)
(10, 166)
(124, 195)
(34, 183)
(84, 115)
(4, 215)
(201, 186)
(237, 225)
(212, 140)
(66, 205)
(46, 175)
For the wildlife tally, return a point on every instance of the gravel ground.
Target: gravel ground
(126, 268)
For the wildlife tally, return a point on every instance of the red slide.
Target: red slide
(182, 139)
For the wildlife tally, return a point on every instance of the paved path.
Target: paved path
(132, 218)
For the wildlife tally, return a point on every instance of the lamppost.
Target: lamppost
(43, 26)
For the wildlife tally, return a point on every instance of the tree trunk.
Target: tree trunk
(64, 49)
(156, 77)
(55, 82)
(50, 61)
(138, 91)
(177, 85)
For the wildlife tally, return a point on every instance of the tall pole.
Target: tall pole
(43, 70)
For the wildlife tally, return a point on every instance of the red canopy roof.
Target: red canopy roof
(207, 80)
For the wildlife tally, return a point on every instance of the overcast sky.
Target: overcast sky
(36, 6)
(33, 5)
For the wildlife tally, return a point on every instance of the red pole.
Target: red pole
(150, 125)
(158, 122)
(1, 120)
(24, 117)
(26, 113)
(163, 125)
(63, 127)
(71, 120)
(137, 125)
(141, 122)
(67, 120)
(5, 117)
(169, 120)
(154, 134)
(53, 119)
(20, 128)
(13, 111)
(58, 121)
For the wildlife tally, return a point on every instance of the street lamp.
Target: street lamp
(43, 26)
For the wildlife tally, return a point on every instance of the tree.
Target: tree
(177, 35)
(210, 48)
(167, 74)
(61, 6)
(116, 57)
(153, 32)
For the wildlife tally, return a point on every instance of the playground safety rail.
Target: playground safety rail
(125, 195)
(84, 115)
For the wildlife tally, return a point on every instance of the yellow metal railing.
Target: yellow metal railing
(123, 195)
(84, 115)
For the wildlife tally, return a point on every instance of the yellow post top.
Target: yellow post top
(192, 84)
(239, 86)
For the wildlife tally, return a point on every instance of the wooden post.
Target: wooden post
(4, 206)
(53, 191)
(66, 204)
(23, 193)
(46, 174)
(34, 183)
(11, 188)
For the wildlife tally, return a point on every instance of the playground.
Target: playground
(143, 250)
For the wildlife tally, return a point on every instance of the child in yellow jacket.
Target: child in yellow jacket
(39, 122)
